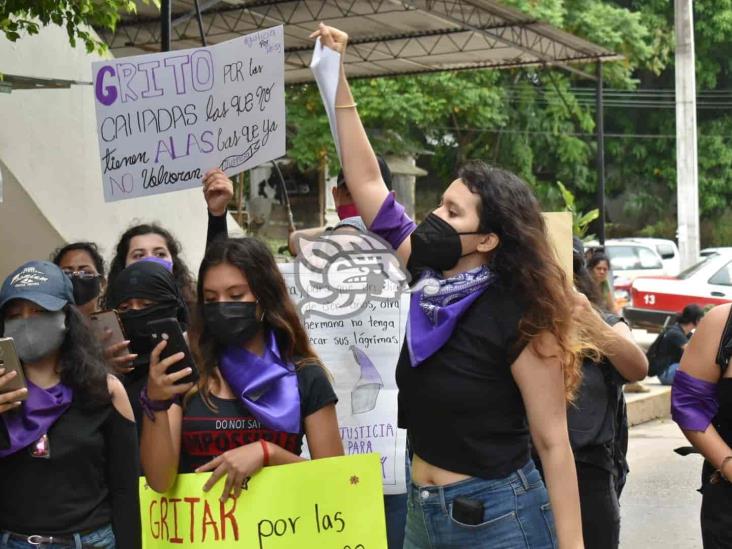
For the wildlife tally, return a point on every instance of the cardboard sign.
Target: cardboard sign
(165, 119)
(559, 230)
(360, 349)
(327, 503)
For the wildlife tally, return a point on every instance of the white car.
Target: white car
(630, 259)
(667, 249)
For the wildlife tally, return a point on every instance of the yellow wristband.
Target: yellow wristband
(351, 106)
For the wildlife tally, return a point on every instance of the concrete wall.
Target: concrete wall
(48, 146)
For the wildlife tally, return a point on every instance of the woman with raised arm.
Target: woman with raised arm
(490, 359)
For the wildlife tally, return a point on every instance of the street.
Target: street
(660, 504)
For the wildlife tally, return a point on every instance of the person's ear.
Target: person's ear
(488, 243)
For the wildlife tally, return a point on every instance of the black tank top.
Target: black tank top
(461, 407)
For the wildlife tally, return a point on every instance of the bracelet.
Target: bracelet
(151, 406)
(721, 467)
(352, 105)
(265, 452)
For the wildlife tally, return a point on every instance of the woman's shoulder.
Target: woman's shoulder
(120, 400)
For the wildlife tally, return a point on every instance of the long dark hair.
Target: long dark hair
(584, 282)
(525, 261)
(81, 365)
(182, 274)
(88, 247)
(255, 260)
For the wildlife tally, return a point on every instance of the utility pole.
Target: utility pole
(687, 176)
(600, 126)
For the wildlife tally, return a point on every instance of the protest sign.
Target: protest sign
(360, 347)
(333, 503)
(165, 119)
(559, 231)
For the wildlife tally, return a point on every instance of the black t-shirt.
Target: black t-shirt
(207, 434)
(89, 479)
(597, 420)
(671, 348)
(461, 407)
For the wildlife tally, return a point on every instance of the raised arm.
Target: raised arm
(694, 391)
(218, 191)
(360, 166)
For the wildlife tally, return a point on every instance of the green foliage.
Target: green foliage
(540, 122)
(76, 16)
(580, 221)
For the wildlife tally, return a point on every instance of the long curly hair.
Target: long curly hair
(256, 262)
(526, 262)
(182, 274)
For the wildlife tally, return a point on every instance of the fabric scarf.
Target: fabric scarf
(35, 417)
(147, 280)
(436, 308)
(266, 385)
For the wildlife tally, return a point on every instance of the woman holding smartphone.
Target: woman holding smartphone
(257, 371)
(489, 360)
(144, 292)
(67, 452)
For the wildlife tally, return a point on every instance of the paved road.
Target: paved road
(660, 505)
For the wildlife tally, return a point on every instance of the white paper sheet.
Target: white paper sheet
(326, 66)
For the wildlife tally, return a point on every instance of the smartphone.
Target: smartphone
(168, 329)
(10, 361)
(105, 322)
(467, 511)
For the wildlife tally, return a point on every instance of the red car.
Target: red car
(655, 301)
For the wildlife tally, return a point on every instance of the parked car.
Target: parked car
(630, 259)
(655, 301)
(667, 249)
(706, 252)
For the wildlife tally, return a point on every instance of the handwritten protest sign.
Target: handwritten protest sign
(165, 119)
(331, 503)
(559, 230)
(360, 349)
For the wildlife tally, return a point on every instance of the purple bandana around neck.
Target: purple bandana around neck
(266, 385)
(434, 314)
(35, 417)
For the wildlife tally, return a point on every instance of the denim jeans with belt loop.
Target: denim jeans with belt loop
(516, 514)
(102, 538)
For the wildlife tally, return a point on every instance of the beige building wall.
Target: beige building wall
(50, 158)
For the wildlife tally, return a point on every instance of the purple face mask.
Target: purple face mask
(167, 263)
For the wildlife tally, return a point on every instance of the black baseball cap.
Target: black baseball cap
(40, 282)
(385, 173)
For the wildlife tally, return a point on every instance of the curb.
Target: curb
(645, 407)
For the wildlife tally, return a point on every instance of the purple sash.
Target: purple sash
(35, 417)
(266, 385)
(436, 308)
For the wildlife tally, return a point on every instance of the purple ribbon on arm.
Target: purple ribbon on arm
(266, 385)
(392, 223)
(693, 402)
(35, 417)
(438, 306)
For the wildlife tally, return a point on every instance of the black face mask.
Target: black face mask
(436, 244)
(231, 322)
(135, 324)
(86, 287)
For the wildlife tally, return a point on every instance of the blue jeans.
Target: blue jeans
(667, 376)
(395, 507)
(103, 538)
(516, 514)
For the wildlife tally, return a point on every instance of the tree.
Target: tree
(77, 16)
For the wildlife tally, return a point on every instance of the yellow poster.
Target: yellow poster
(333, 503)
